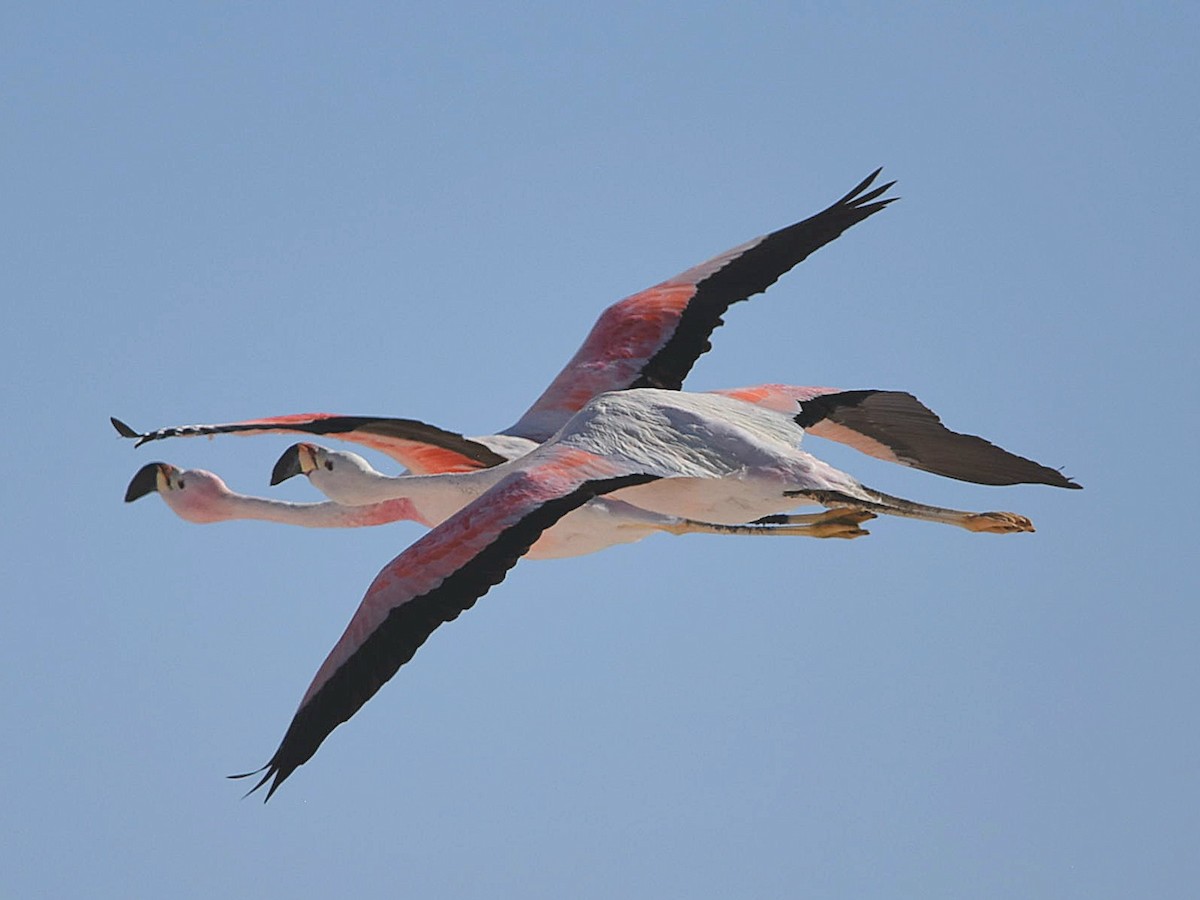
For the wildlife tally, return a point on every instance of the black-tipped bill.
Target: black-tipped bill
(144, 482)
(288, 465)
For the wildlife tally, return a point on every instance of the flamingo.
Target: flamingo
(347, 478)
(675, 453)
(202, 497)
(890, 425)
(917, 439)
(604, 521)
(649, 339)
(914, 433)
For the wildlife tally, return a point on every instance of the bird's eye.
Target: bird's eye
(329, 465)
(181, 484)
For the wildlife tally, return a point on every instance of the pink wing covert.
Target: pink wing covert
(653, 338)
(787, 398)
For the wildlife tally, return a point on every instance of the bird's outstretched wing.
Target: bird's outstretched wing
(897, 427)
(421, 448)
(653, 338)
(432, 582)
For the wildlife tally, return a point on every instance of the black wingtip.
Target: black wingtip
(122, 429)
(915, 436)
(871, 195)
(144, 482)
(287, 466)
(859, 188)
(271, 772)
(853, 196)
(1053, 478)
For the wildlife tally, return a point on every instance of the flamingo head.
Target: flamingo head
(192, 494)
(338, 474)
(298, 459)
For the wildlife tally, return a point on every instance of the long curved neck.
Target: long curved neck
(433, 498)
(326, 514)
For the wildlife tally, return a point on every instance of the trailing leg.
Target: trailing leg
(835, 523)
(886, 504)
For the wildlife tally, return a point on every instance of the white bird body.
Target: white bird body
(705, 431)
(690, 435)
(688, 438)
(720, 460)
(731, 460)
(717, 461)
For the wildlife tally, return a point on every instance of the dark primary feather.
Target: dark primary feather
(382, 426)
(752, 272)
(408, 625)
(918, 438)
(122, 429)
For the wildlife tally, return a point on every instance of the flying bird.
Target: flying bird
(613, 439)
(349, 479)
(702, 456)
(200, 496)
(649, 339)
(891, 425)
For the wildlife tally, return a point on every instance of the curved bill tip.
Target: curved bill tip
(288, 465)
(144, 482)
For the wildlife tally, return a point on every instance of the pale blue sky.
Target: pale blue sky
(215, 212)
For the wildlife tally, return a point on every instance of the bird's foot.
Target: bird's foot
(844, 515)
(834, 530)
(997, 523)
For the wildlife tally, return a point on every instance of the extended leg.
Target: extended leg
(886, 504)
(836, 514)
(835, 523)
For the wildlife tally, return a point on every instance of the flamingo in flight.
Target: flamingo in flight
(717, 459)
(915, 436)
(920, 440)
(649, 339)
(200, 496)
(704, 456)
(890, 425)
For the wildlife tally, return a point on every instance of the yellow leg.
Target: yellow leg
(997, 523)
(836, 523)
(887, 505)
